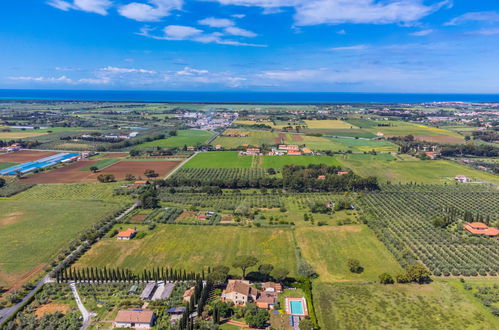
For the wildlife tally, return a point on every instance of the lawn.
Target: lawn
(193, 247)
(219, 159)
(402, 306)
(329, 124)
(281, 161)
(33, 231)
(328, 248)
(183, 138)
(4, 165)
(426, 172)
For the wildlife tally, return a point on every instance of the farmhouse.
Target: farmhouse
(461, 178)
(239, 292)
(126, 234)
(479, 228)
(321, 177)
(191, 148)
(134, 318)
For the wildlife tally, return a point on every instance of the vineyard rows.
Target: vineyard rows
(402, 221)
(209, 175)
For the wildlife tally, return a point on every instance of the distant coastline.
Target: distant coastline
(239, 97)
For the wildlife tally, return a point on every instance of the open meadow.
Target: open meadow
(328, 249)
(328, 124)
(219, 159)
(438, 305)
(190, 137)
(34, 230)
(193, 248)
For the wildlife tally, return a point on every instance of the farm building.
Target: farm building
(126, 234)
(461, 178)
(40, 163)
(135, 319)
(239, 292)
(148, 291)
(479, 228)
(266, 300)
(272, 287)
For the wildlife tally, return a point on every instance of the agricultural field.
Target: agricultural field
(4, 165)
(33, 231)
(281, 161)
(401, 306)
(24, 156)
(219, 159)
(417, 171)
(328, 124)
(210, 176)
(193, 248)
(409, 233)
(353, 133)
(183, 138)
(328, 249)
(423, 132)
(100, 164)
(365, 145)
(254, 138)
(19, 135)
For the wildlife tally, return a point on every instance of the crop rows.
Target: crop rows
(209, 175)
(402, 221)
(223, 202)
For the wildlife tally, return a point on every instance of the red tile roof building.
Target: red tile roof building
(126, 234)
(134, 318)
(479, 228)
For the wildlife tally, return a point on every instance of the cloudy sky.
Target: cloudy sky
(436, 46)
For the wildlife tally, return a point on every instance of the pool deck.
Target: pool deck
(304, 305)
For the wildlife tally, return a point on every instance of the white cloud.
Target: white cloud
(116, 70)
(180, 32)
(487, 32)
(422, 33)
(238, 16)
(347, 48)
(187, 71)
(92, 6)
(61, 79)
(314, 12)
(341, 32)
(216, 22)
(152, 11)
(235, 31)
(482, 16)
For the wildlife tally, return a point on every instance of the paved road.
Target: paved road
(86, 315)
(7, 312)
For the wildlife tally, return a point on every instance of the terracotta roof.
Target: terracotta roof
(478, 225)
(241, 287)
(127, 233)
(134, 316)
(188, 292)
(267, 298)
(141, 182)
(272, 285)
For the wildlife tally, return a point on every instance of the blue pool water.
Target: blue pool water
(296, 307)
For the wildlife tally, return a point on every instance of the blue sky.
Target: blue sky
(432, 46)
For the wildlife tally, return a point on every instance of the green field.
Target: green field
(281, 161)
(426, 172)
(72, 191)
(400, 128)
(253, 139)
(402, 306)
(4, 165)
(33, 231)
(101, 164)
(347, 133)
(366, 145)
(328, 124)
(192, 248)
(327, 249)
(183, 138)
(219, 159)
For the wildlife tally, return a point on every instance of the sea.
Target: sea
(239, 96)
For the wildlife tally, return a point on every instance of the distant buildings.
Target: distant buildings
(461, 178)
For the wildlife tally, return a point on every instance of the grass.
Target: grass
(328, 249)
(400, 128)
(101, 164)
(402, 306)
(281, 161)
(254, 138)
(425, 172)
(72, 191)
(183, 138)
(19, 135)
(328, 124)
(5, 165)
(33, 231)
(366, 145)
(345, 132)
(219, 159)
(193, 247)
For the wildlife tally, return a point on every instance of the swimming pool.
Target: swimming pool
(296, 307)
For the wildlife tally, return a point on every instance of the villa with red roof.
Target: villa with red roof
(479, 228)
(126, 235)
